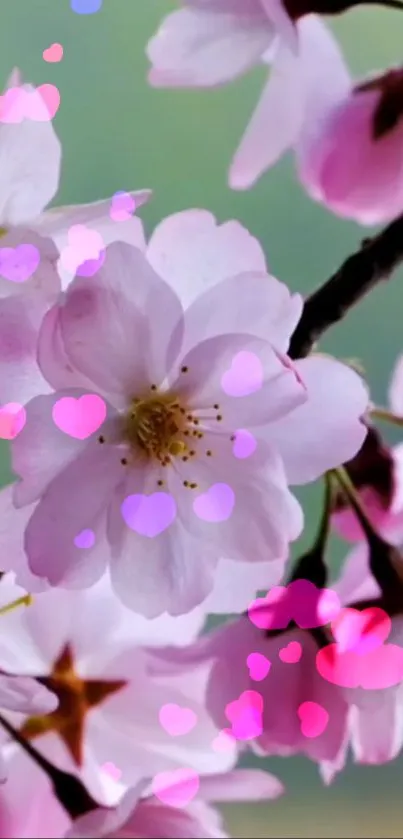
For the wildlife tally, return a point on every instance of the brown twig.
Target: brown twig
(358, 275)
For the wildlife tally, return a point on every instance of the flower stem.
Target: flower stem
(69, 791)
(382, 556)
(384, 415)
(311, 566)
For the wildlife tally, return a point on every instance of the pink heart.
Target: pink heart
(122, 207)
(314, 719)
(12, 105)
(272, 611)
(245, 376)
(42, 104)
(12, 420)
(312, 606)
(224, 742)
(85, 252)
(216, 504)
(291, 653)
(377, 669)
(245, 714)
(112, 771)
(53, 54)
(244, 444)
(361, 631)
(176, 788)
(258, 665)
(79, 417)
(20, 263)
(176, 720)
(149, 515)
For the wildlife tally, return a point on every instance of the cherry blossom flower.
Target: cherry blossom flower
(206, 44)
(352, 161)
(149, 817)
(139, 812)
(31, 270)
(206, 420)
(265, 702)
(111, 693)
(374, 732)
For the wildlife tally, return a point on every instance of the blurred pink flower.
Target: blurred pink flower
(374, 730)
(111, 693)
(149, 817)
(165, 476)
(352, 161)
(138, 813)
(207, 44)
(31, 272)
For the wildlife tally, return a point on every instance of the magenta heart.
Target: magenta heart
(245, 375)
(258, 665)
(149, 515)
(245, 715)
(122, 207)
(18, 264)
(361, 631)
(177, 787)
(291, 653)
(176, 720)
(314, 719)
(79, 417)
(216, 504)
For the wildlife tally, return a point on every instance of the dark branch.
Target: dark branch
(358, 275)
(69, 791)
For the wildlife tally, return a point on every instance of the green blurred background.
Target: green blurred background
(119, 134)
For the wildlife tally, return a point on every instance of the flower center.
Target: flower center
(158, 425)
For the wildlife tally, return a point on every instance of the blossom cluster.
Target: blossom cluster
(159, 421)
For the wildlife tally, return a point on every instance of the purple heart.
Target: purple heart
(245, 376)
(90, 266)
(216, 504)
(149, 515)
(85, 539)
(18, 264)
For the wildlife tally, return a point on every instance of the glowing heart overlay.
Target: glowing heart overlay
(245, 376)
(149, 515)
(177, 721)
(20, 263)
(79, 417)
(176, 788)
(301, 601)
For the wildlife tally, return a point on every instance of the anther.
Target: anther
(160, 483)
(193, 486)
(153, 387)
(219, 417)
(185, 458)
(186, 483)
(209, 453)
(124, 461)
(101, 439)
(216, 406)
(184, 369)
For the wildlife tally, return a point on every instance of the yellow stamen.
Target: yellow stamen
(27, 600)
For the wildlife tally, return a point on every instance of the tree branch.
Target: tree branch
(360, 273)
